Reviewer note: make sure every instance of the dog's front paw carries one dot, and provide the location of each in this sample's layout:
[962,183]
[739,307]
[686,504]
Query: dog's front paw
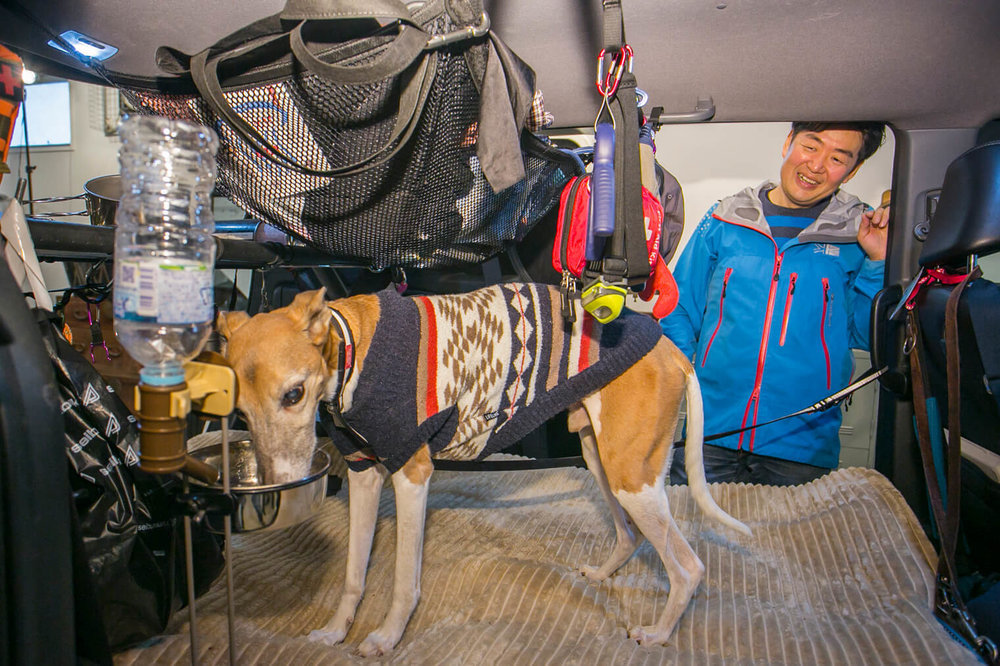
[334,631]
[593,573]
[327,637]
[647,635]
[376,645]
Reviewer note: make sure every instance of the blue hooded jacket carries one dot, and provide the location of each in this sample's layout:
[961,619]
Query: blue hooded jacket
[770,327]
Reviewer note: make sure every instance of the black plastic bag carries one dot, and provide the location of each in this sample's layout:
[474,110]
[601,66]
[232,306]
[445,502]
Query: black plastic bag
[132,539]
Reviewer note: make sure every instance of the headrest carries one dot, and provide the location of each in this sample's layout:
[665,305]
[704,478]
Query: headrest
[967,219]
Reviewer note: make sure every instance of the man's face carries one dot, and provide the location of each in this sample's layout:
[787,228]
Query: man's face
[815,165]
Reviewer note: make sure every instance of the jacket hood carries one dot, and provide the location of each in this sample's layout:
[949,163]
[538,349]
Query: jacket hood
[838,223]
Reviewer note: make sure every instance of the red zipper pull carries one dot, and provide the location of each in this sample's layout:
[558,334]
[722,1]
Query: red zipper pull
[822,329]
[788,307]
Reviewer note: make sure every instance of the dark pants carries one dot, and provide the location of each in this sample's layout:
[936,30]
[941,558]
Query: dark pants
[724,465]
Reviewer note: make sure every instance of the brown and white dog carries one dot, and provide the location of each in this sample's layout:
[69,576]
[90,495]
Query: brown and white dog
[457,377]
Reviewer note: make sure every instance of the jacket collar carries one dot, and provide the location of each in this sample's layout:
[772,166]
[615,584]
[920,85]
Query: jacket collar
[838,223]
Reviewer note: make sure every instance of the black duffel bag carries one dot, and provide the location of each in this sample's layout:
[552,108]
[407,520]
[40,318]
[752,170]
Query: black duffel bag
[132,536]
[383,137]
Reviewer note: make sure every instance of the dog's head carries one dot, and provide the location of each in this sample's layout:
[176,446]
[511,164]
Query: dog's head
[280,359]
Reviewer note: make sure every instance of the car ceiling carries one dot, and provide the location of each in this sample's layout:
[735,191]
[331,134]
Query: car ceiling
[914,63]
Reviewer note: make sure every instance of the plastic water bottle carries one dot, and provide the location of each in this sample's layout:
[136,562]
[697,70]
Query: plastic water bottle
[164,251]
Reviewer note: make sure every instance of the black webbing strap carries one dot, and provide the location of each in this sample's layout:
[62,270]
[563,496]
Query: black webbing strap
[614,25]
[625,257]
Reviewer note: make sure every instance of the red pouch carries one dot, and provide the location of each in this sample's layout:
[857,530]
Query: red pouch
[569,249]
[660,282]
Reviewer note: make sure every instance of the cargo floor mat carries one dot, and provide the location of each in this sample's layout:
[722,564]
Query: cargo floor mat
[837,572]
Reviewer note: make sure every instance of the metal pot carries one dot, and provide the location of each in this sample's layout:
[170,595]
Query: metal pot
[101,195]
[258,507]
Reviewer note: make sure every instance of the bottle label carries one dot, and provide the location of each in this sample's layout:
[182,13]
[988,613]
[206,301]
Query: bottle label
[163,291]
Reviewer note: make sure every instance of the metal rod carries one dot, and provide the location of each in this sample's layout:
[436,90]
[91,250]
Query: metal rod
[227,523]
[28,167]
[62,241]
[189,570]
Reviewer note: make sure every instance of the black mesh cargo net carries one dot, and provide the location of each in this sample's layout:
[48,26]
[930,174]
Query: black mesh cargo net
[427,206]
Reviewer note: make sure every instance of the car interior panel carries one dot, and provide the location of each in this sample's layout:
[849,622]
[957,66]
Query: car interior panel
[926,69]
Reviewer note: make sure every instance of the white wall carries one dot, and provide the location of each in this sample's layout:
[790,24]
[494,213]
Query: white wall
[712,161]
[63,170]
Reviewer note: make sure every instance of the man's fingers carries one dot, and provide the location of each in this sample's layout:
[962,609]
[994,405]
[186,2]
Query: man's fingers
[880,217]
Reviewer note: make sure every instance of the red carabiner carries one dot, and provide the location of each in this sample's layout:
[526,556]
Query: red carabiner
[608,85]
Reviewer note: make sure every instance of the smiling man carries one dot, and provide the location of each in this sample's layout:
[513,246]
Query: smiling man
[776,286]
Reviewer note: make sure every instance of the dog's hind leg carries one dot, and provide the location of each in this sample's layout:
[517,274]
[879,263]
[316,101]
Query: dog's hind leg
[634,446]
[364,489]
[684,569]
[410,483]
[626,540]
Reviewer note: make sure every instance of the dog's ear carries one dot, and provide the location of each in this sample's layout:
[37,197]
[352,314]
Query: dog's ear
[226,323]
[309,310]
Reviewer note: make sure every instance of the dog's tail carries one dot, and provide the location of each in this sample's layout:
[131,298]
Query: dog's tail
[694,462]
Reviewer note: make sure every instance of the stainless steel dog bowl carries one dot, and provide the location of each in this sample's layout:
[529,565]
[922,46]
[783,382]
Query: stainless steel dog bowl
[261,507]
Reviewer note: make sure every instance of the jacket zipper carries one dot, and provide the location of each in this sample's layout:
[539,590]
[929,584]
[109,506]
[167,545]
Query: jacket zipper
[722,301]
[822,329]
[762,354]
[566,223]
[788,306]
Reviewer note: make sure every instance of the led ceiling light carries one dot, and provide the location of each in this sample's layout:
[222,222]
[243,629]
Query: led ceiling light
[84,45]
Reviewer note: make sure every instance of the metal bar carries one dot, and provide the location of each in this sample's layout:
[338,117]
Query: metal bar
[189,570]
[67,241]
[227,522]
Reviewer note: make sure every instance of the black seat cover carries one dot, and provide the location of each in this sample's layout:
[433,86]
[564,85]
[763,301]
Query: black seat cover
[967,222]
[967,219]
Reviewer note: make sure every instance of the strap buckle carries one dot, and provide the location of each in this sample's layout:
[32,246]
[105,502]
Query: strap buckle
[950,611]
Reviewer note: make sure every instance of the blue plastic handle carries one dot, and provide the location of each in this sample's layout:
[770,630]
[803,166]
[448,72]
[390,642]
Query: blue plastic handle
[602,182]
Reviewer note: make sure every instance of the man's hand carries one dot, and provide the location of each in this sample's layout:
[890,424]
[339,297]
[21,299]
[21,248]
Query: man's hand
[873,234]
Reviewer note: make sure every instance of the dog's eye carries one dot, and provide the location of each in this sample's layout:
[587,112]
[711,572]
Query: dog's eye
[293,396]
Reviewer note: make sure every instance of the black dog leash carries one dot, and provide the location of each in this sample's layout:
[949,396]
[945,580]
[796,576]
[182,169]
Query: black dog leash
[518,464]
[868,377]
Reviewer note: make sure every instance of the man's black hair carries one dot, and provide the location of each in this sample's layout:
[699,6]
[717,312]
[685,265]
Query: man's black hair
[872,133]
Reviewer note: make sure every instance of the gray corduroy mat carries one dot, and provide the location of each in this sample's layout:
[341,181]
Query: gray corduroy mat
[837,572]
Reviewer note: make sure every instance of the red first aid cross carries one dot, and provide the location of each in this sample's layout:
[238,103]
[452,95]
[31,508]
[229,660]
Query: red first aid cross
[11,84]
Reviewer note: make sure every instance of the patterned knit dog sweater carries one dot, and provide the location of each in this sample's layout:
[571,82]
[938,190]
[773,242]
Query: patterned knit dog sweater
[471,374]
